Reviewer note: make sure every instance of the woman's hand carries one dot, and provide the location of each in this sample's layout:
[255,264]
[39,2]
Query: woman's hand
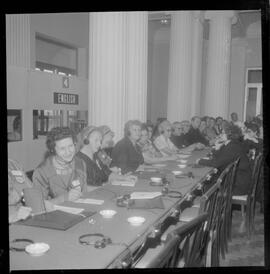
[49,206]
[116,170]
[131,178]
[200,146]
[74,194]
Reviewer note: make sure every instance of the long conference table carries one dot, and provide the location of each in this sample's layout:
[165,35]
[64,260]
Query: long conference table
[65,250]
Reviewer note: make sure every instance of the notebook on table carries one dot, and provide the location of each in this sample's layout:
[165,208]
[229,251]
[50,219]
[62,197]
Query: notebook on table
[56,219]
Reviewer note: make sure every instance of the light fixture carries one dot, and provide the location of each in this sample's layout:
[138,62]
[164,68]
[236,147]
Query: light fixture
[164,21]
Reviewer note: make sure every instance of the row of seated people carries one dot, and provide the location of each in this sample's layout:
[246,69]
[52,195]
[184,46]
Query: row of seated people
[74,164]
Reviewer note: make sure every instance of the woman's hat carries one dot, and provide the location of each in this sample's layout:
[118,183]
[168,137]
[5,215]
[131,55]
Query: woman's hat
[105,130]
[86,131]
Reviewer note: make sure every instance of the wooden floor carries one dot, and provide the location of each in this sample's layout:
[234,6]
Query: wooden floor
[244,252]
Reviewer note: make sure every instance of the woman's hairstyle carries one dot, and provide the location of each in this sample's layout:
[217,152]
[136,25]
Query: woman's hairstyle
[57,134]
[144,127]
[105,130]
[129,124]
[219,117]
[204,118]
[162,125]
[233,132]
[252,126]
[86,132]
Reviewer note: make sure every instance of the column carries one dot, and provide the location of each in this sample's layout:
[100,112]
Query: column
[137,43]
[216,101]
[196,75]
[18,40]
[180,67]
[107,68]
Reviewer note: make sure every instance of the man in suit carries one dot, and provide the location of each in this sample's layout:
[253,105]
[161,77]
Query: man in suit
[194,135]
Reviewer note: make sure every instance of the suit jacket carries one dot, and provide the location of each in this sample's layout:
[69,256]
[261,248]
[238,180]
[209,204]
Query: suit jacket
[226,155]
[179,141]
[195,136]
[126,156]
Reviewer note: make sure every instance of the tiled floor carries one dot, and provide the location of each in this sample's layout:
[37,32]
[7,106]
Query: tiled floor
[244,252]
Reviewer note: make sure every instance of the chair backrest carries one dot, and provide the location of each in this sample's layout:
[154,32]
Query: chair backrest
[208,202]
[185,246]
[257,180]
[226,181]
[222,213]
[256,174]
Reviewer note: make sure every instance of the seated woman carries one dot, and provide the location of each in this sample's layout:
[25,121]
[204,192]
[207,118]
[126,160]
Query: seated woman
[165,145]
[202,127]
[251,138]
[127,154]
[107,142]
[150,154]
[210,131]
[17,182]
[61,176]
[232,148]
[97,171]
[218,125]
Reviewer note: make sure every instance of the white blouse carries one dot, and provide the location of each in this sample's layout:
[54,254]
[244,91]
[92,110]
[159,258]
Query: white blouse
[161,143]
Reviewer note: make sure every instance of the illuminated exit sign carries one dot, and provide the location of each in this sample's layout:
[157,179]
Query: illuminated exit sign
[65,98]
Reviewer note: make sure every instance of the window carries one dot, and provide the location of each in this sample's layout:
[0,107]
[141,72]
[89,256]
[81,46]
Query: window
[76,120]
[14,125]
[55,57]
[253,93]
[45,120]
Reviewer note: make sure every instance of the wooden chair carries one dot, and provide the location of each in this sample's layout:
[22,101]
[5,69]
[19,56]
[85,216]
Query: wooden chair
[208,203]
[224,204]
[249,201]
[185,246]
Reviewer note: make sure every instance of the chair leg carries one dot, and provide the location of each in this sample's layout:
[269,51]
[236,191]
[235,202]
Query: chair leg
[242,225]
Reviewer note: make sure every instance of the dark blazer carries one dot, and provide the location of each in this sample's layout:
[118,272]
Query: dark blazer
[195,136]
[226,155]
[179,141]
[97,173]
[126,156]
[252,145]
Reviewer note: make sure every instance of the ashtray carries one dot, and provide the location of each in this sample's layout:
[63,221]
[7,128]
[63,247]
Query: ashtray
[108,213]
[136,220]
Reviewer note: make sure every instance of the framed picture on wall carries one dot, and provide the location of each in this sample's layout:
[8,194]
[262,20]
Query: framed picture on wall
[14,125]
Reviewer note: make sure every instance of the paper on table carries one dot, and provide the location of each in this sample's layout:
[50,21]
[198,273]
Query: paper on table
[89,201]
[144,195]
[123,183]
[73,210]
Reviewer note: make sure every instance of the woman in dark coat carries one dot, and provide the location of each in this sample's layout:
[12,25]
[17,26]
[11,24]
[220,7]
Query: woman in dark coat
[229,152]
